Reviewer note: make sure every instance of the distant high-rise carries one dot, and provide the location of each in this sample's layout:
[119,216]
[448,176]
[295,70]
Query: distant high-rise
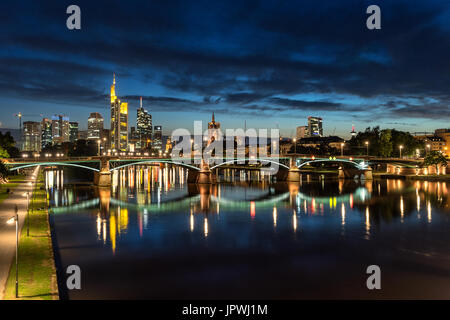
[144,127]
[46,132]
[73,131]
[60,129]
[302,132]
[315,127]
[353,133]
[157,138]
[213,130]
[119,121]
[95,126]
[31,136]
[82,134]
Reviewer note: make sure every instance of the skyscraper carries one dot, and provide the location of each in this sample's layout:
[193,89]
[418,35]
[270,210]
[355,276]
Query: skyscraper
[144,127]
[95,126]
[119,121]
[31,136]
[73,131]
[315,127]
[46,132]
[302,132]
[60,129]
[157,138]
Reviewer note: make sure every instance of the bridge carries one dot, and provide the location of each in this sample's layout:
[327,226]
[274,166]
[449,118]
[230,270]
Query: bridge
[287,168]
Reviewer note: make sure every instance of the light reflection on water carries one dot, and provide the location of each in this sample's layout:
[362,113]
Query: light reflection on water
[151,210]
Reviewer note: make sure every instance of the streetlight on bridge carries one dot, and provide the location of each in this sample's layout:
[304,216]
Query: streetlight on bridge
[295,145]
[342,149]
[98,143]
[400,147]
[367,146]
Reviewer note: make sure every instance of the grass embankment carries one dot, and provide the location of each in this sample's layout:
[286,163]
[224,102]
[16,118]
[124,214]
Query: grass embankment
[11,185]
[37,274]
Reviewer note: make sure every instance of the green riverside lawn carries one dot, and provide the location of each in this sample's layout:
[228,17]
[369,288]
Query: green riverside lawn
[11,185]
[37,274]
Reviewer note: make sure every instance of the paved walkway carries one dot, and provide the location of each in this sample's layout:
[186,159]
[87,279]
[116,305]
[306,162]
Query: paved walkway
[8,231]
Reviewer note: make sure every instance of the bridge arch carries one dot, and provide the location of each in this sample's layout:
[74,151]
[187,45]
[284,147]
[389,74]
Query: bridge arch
[30,165]
[260,160]
[155,161]
[357,165]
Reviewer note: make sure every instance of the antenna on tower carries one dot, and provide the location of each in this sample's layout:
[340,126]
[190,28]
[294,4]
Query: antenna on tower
[353,133]
[141,102]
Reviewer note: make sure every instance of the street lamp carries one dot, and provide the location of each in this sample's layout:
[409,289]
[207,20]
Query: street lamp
[400,147]
[28,214]
[295,146]
[428,147]
[11,221]
[98,142]
[342,149]
[367,146]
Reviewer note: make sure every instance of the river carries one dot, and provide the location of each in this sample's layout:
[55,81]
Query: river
[153,236]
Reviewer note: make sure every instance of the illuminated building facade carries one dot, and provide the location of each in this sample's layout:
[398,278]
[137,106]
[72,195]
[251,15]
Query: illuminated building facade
[60,129]
[73,131]
[445,135]
[95,126]
[119,121]
[31,136]
[315,127]
[144,128]
[302,132]
[46,132]
[157,138]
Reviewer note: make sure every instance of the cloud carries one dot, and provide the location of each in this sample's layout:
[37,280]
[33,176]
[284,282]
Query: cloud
[238,58]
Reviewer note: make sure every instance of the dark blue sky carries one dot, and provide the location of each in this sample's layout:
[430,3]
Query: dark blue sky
[270,62]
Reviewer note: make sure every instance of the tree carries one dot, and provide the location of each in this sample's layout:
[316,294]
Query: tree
[386,143]
[435,158]
[3,153]
[7,143]
[3,172]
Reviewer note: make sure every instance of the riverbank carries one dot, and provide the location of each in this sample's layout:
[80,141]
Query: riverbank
[37,273]
[11,185]
[437,178]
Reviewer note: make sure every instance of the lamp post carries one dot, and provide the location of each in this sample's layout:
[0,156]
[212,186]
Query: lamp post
[98,142]
[428,148]
[11,221]
[28,213]
[367,146]
[342,149]
[104,144]
[295,145]
[400,147]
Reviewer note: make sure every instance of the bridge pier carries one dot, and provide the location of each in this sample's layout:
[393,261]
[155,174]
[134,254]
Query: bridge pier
[103,178]
[350,173]
[204,176]
[293,174]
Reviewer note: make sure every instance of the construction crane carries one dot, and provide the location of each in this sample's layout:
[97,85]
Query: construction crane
[20,116]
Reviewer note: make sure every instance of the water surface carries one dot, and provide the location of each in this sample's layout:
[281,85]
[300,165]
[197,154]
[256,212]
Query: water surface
[151,235]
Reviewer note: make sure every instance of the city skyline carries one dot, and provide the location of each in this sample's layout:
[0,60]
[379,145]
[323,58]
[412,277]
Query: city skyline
[192,62]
